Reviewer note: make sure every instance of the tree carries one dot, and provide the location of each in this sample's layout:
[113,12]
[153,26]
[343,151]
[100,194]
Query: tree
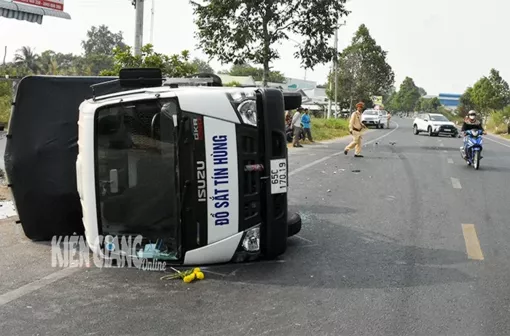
[430,105]
[407,96]
[256,73]
[98,49]
[490,93]
[172,66]
[202,66]
[422,91]
[363,70]
[101,41]
[28,59]
[240,31]
[466,102]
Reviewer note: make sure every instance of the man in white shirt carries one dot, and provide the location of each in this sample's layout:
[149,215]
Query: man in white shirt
[296,125]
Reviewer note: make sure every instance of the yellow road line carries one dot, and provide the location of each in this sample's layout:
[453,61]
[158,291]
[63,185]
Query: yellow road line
[474,251]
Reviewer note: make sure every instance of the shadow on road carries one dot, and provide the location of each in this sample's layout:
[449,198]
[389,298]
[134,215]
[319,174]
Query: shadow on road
[346,258]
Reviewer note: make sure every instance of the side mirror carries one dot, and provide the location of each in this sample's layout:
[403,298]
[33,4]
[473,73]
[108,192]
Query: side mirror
[425,120]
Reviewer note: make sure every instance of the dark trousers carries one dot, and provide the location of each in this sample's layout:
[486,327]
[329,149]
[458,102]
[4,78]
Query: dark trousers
[308,133]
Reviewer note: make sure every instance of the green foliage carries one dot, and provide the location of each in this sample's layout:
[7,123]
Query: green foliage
[101,41]
[172,66]
[240,31]
[202,66]
[363,70]
[430,105]
[233,84]
[323,129]
[407,98]
[256,73]
[490,93]
[466,102]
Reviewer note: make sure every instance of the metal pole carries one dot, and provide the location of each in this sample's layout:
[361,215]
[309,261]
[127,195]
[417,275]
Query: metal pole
[152,21]
[139,27]
[336,70]
[5,54]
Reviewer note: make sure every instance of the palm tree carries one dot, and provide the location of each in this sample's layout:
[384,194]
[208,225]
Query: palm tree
[27,58]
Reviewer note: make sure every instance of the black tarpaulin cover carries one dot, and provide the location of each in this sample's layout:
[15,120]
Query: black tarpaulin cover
[41,151]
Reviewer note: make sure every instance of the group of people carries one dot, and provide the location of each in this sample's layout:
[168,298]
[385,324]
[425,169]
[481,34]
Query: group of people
[299,122]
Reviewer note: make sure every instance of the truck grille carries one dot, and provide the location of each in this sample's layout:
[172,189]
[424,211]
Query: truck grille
[249,181]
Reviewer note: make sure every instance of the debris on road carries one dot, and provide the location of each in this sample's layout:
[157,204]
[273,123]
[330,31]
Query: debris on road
[187,276]
[356,171]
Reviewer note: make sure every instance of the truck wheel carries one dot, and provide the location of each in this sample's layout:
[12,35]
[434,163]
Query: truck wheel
[294,224]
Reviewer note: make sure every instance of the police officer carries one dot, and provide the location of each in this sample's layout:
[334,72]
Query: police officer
[355,127]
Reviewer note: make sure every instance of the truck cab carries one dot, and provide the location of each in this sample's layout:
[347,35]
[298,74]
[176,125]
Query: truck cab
[200,173]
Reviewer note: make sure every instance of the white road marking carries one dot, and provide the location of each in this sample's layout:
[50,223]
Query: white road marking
[502,144]
[313,163]
[445,151]
[38,284]
[456,183]
[306,240]
[450,160]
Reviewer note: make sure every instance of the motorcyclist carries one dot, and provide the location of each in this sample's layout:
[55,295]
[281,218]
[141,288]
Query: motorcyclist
[470,123]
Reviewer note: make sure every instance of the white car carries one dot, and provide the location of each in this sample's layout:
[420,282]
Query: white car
[377,118]
[434,124]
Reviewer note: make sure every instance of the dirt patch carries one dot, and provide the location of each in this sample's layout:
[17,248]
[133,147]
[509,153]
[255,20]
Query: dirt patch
[5,193]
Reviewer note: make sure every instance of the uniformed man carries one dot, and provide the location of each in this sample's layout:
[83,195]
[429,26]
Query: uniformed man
[388,119]
[355,127]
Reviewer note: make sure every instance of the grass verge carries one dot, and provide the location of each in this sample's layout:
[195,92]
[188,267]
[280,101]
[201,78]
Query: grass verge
[326,129]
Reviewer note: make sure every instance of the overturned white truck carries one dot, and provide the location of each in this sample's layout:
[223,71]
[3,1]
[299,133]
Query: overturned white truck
[199,172]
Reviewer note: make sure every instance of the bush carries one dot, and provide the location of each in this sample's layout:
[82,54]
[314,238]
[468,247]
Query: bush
[497,123]
[5,109]
[324,129]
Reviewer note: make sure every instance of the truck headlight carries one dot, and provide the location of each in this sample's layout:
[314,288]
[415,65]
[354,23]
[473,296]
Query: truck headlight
[251,239]
[248,111]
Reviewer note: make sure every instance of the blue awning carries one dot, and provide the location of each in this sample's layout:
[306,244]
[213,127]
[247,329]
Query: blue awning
[18,11]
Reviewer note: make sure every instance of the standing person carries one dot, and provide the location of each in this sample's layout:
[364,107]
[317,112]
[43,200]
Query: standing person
[296,125]
[388,120]
[355,127]
[305,120]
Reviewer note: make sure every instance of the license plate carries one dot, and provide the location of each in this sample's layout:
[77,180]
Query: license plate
[447,130]
[278,176]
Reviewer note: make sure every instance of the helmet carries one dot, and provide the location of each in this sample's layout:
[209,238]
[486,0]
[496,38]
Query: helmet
[360,104]
[472,113]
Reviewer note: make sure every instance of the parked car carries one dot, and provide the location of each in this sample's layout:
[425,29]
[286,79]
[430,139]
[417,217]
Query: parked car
[434,124]
[375,118]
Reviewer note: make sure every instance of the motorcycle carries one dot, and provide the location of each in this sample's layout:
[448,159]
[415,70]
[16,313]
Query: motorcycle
[471,152]
[289,133]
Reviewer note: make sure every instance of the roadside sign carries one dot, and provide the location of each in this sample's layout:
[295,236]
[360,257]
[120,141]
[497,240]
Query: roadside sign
[51,4]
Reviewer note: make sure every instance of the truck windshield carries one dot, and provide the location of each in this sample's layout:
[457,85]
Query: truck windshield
[137,176]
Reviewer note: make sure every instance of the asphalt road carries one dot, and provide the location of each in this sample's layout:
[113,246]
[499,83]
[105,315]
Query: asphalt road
[406,241]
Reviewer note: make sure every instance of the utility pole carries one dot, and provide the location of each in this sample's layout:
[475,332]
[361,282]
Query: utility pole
[152,22]
[138,26]
[336,71]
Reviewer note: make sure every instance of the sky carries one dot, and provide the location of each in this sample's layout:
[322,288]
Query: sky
[444,45]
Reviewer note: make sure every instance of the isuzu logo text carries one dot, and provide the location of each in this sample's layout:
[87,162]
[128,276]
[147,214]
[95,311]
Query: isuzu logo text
[201,184]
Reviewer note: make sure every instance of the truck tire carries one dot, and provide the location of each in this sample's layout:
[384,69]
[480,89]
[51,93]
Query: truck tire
[294,224]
